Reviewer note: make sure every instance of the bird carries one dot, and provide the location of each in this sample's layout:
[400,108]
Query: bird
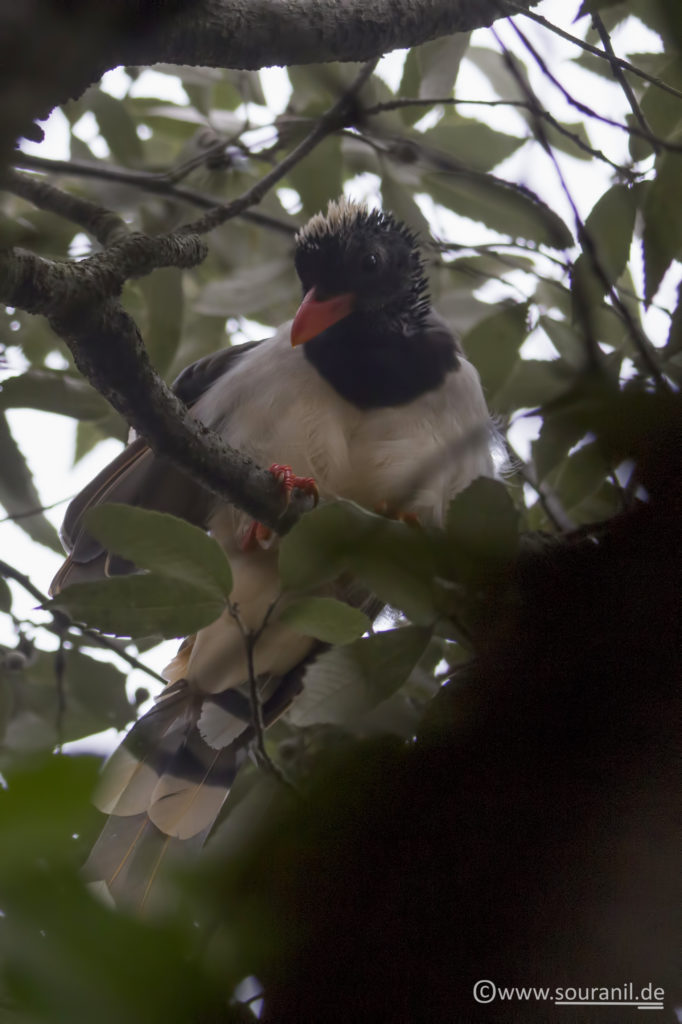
[351,399]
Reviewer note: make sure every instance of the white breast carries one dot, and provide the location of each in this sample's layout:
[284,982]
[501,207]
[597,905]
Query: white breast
[275,407]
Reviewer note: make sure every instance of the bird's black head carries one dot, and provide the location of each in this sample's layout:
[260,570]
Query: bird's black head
[365,321]
[365,257]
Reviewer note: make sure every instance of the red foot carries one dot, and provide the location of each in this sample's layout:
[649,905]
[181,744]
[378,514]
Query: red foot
[289,481]
[257,535]
[260,535]
[390,512]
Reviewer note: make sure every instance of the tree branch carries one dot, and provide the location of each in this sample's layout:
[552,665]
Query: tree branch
[54,53]
[583,108]
[626,65]
[551,505]
[158,184]
[455,101]
[60,289]
[102,224]
[641,344]
[619,75]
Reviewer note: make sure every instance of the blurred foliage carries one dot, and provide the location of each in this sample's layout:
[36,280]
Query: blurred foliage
[423,853]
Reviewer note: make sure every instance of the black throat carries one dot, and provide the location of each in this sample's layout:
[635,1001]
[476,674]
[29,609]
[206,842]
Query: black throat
[376,365]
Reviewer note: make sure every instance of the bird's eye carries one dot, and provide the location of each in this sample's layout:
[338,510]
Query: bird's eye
[370,262]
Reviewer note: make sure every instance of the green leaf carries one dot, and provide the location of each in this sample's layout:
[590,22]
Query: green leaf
[141,606]
[673,345]
[567,340]
[163,544]
[56,940]
[18,494]
[493,346]
[578,476]
[482,524]
[400,200]
[117,127]
[344,683]
[318,178]
[558,140]
[315,550]
[559,432]
[5,596]
[100,688]
[90,697]
[494,66]
[249,290]
[475,145]
[512,210]
[660,109]
[326,619]
[52,391]
[163,295]
[662,213]
[609,228]
[532,382]
[396,562]
[438,63]
[595,6]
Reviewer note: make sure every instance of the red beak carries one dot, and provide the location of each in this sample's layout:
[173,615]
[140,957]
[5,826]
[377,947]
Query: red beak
[315,316]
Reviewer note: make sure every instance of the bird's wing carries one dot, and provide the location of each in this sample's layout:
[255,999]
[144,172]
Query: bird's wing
[139,477]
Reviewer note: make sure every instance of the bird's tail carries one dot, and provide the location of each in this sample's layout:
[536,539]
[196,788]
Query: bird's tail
[163,788]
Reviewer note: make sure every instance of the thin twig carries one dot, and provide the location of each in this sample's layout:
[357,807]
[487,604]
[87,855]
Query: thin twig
[59,674]
[102,224]
[550,503]
[493,247]
[626,65]
[631,129]
[62,621]
[33,511]
[640,342]
[251,637]
[327,124]
[619,75]
[158,184]
[454,101]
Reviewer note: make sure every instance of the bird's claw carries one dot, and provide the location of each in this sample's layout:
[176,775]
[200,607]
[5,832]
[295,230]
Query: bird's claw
[259,535]
[290,482]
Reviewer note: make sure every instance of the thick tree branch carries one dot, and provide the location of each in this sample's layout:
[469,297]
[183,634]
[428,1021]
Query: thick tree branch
[51,52]
[61,290]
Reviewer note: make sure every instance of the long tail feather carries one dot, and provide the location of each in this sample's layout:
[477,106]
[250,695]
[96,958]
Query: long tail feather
[165,785]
